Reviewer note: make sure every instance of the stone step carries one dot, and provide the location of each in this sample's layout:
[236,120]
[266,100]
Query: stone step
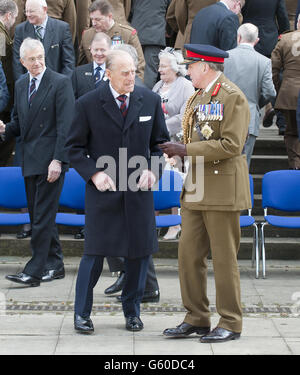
[269,146]
[261,164]
[276,248]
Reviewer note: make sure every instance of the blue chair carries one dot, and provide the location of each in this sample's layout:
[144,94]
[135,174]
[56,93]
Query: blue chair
[248,221]
[12,196]
[72,196]
[280,191]
[167,196]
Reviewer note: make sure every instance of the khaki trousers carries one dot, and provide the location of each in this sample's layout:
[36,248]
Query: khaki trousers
[218,231]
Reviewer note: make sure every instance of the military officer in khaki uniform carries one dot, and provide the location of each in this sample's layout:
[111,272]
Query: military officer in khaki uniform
[8,15]
[286,57]
[215,126]
[101,14]
[121,13]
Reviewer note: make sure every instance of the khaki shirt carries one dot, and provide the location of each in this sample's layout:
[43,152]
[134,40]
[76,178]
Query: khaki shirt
[225,175]
[128,35]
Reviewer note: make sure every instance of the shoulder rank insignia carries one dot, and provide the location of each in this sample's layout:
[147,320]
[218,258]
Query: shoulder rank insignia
[216,90]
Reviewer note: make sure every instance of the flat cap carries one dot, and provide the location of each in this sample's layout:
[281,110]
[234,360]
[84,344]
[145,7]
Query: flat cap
[204,52]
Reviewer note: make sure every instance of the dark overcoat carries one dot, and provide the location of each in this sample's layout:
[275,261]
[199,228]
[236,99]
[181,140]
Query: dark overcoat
[120,223]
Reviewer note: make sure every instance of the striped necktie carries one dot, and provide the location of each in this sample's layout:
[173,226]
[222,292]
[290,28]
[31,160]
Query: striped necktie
[38,32]
[32,90]
[97,75]
[123,106]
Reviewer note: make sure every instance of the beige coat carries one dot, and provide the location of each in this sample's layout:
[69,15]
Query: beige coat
[286,56]
[226,179]
[128,35]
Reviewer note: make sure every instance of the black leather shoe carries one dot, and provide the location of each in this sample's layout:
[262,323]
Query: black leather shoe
[23,278]
[23,234]
[50,275]
[79,235]
[151,296]
[268,118]
[134,323]
[147,297]
[219,334]
[117,285]
[185,329]
[83,325]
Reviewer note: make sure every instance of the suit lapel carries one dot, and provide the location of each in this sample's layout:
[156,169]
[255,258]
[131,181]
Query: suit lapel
[135,105]
[49,32]
[30,30]
[42,92]
[110,106]
[89,76]
[23,91]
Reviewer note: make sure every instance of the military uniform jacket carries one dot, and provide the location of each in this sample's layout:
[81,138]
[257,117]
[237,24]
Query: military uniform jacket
[286,55]
[226,179]
[128,35]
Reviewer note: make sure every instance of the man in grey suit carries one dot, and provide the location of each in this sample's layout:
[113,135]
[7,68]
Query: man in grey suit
[42,115]
[54,34]
[252,73]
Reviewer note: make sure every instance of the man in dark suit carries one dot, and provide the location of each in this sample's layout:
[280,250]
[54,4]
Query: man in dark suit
[87,77]
[217,24]
[54,34]
[271,18]
[43,105]
[117,118]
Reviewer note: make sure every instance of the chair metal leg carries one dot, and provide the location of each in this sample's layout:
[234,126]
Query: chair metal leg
[263,253]
[257,257]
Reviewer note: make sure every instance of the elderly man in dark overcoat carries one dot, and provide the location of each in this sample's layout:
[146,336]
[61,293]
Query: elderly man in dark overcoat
[114,123]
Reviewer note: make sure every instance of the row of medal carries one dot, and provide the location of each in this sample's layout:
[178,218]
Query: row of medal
[210,112]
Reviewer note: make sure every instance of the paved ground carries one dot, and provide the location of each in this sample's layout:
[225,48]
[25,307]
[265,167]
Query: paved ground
[40,320]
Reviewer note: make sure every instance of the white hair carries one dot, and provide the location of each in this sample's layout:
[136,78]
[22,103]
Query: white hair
[127,48]
[29,44]
[248,32]
[175,58]
[42,3]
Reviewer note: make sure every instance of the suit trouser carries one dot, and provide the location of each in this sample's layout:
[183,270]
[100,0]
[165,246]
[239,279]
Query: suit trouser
[249,147]
[90,269]
[151,67]
[291,139]
[218,231]
[43,201]
[117,264]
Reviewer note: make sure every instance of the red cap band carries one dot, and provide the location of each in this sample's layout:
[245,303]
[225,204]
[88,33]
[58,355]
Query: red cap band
[206,58]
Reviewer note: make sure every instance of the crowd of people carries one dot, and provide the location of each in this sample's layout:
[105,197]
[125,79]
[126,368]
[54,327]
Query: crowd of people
[145,52]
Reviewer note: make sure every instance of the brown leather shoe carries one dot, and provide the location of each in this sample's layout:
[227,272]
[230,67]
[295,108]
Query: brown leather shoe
[185,329]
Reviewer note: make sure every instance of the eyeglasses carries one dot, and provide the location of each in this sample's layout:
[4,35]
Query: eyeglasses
[34,59]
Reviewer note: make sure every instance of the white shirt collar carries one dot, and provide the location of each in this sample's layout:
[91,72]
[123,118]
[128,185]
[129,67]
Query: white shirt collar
[115,93]
[38,77]
[210,85]
[44,24]
[225,4]
[102,66]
